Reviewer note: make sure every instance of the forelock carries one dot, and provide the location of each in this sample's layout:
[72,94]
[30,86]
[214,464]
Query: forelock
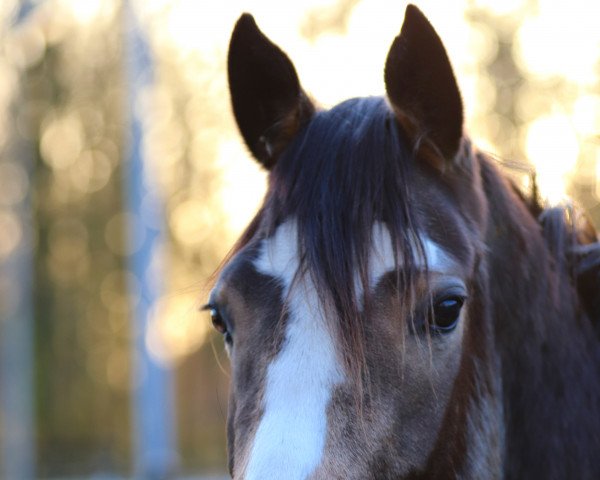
[348,170]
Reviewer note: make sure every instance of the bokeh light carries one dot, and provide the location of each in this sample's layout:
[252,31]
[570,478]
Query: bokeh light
[11,233]
[174,330]
[553,147]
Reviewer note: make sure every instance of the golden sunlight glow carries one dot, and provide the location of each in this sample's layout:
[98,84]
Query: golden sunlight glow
[552,146]
[243,184]
[501,7]
[586,114]
[175,329]
[83,11]
[189,221]
[561,40]
[12,233]
[62,140]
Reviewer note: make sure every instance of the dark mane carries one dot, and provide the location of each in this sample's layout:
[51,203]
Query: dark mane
[574,245]
[346,170]
[548,348]
[571,239]
[573,242]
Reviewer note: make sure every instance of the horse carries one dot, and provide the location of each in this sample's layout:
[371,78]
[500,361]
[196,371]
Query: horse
[398,308]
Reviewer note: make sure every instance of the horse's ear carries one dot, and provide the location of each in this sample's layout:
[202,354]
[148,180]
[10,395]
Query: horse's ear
[268,103]
[421,87]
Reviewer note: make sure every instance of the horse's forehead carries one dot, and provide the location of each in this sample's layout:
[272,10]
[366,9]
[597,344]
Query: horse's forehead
[278,256]
[280,253]
[449,217]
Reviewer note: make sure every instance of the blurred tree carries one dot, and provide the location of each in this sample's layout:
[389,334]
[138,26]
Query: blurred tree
[73,94]
[17,448]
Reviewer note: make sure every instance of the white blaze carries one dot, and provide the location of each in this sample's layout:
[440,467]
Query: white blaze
[382,255]
[290,438]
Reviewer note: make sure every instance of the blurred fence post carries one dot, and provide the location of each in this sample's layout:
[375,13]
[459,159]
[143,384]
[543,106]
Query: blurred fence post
[152,387]
[17,444]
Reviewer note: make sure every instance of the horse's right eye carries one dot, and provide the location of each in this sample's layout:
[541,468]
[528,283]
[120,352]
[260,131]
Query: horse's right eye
[446,313]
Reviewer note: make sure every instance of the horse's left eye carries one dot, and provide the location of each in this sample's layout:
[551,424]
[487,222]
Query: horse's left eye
[217,321]
[220,325]
[446,313]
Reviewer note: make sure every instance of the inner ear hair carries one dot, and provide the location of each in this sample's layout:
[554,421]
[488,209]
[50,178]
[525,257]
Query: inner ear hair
[424,148]
[277,137]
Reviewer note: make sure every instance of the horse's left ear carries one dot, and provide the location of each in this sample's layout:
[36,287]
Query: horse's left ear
[268,103]
[421,86]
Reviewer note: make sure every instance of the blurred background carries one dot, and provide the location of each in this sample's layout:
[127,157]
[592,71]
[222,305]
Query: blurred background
[123,182]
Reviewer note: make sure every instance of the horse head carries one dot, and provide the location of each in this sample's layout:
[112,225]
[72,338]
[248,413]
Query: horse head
[385,309]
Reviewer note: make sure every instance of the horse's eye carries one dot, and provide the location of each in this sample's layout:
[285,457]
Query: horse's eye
[217,321]
[219,324]
[445,314]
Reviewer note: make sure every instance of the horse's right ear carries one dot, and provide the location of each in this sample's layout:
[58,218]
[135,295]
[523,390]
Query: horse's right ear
[268,103]
[422,89]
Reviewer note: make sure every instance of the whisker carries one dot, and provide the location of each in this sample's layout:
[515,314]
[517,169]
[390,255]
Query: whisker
[217,359]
